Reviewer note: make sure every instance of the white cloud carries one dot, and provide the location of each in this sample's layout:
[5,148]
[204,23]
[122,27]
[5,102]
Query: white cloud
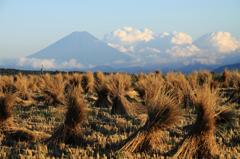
[176,44]
[37,63]
[205,60]
[150,50]
[149,46]
[121,48]
[72,63]
[132,40]
[164,34]
[221,42]
[129,35]
[166,40]
[183,51]
[181,38]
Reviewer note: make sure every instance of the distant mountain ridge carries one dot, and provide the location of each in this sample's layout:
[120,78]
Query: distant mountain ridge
[235,66]
[81,51]
[84,48]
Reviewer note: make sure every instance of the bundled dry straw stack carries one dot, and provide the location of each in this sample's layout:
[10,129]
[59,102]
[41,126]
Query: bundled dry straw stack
[74,80]
[163,113]
[6,106]
[148,82]
[7,126]
[70,131]
[182,89]
[103,94]
[200,142]
[88,82]
[231,83]
[113,91]
[200,78]
[120,86]
[54,89]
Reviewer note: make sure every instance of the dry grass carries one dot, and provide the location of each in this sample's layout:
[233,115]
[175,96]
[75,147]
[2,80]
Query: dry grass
[22,85]
[200,141]
[7,84]
[6,111]
[8,128]
[149,124]
[182,89]
[121,106]
[103,93]
[75,80]
[163,113]
[100,78]
[200,78]
[118,85]
[70,131]
[88,82]
[54,89]
[231,81]
[148,82]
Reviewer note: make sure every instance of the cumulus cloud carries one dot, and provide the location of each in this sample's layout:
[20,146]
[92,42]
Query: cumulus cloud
[72,63]
[166,40]
[183,51]
[205,60]
[129,35]
[175,44]
[221,42]
[150,47]
[122,48]
[145,44]
[150,50]
[181,38]
[37,63]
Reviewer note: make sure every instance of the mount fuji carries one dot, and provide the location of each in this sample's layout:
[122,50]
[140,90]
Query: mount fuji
[83,48]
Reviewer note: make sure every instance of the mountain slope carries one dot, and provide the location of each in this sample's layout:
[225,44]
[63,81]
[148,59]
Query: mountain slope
[235,66]
[82,47]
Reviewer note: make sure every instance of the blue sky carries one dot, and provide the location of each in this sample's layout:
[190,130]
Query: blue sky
[27,26]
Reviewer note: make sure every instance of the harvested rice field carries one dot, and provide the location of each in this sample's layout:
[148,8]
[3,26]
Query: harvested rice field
[98,115]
